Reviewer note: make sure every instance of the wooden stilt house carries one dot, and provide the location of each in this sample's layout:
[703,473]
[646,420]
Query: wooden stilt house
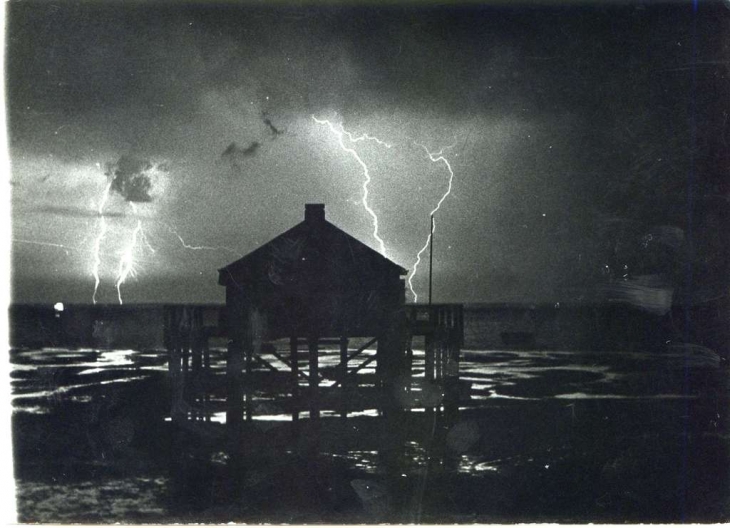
[311,284]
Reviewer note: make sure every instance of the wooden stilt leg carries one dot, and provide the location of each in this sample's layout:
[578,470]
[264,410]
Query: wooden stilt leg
[294,381]
[249,382]
[313,379]
[343,376]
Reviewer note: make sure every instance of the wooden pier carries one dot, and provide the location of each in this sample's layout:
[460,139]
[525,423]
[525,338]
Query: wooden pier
[368,372]
[315,325]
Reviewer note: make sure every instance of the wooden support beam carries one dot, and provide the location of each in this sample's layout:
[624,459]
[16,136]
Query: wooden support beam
[196,334]
[313,379]
[261,361]
[428,362]
[175,369]
[303,374]
[206,378]
[363,365]
[186,355]
[362,349]
[237,314]
[294,365]
[343,376]
[380,367]
[234,403]
[249,382]
[358,351]
[355,370]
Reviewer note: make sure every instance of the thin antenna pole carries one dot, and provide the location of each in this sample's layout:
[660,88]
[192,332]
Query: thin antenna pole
[430,266]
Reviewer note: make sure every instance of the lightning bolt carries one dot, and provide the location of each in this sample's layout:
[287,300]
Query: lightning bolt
[46,244]
[200,248]
[97,242]
[127,264]
[434,157]
[340,132]
[146,242]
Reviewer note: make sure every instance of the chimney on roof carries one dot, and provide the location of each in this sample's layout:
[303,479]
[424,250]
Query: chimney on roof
[313,212]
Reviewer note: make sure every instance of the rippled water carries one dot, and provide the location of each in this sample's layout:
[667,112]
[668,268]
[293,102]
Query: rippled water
[550,395]
[41,375]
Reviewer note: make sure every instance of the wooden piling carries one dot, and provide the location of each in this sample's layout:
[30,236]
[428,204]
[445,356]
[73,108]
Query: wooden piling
[175,366]
[206,377]
[313,379]
[294,359]
[429,359]
[249,382]
[187,339]
[438,357]
[237,318]
[343,377]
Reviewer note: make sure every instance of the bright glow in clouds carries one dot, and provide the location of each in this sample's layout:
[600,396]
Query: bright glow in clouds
[129,264]
[108,241]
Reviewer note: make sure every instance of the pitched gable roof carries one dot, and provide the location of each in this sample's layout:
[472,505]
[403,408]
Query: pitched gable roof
[316,239]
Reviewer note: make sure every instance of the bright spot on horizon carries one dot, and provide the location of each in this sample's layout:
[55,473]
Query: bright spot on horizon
[58,306]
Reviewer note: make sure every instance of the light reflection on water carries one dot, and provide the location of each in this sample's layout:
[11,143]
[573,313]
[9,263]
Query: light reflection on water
[497,379]
[41,377]
[68,388]
[491,373]
[584,396]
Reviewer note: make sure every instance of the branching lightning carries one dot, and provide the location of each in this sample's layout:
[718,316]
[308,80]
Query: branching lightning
[200,248]
[46,244]
[127,264]
[99,238]
[115,242]
[143,239]
[137,239]
[434,157]
[340,132]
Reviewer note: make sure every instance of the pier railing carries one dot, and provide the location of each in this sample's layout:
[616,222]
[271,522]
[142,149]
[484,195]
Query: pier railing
[290,373]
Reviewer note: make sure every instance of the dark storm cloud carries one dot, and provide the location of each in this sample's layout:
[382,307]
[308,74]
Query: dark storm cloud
[130,178]
[275,132]
[235,155]
[609,75]
[78,58]
[438,59]
[234,150]
[633,98]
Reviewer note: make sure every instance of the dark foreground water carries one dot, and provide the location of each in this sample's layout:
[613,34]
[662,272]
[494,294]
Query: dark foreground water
[546,436]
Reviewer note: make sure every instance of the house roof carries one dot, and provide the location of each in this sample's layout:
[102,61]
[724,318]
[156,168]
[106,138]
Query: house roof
[317,238]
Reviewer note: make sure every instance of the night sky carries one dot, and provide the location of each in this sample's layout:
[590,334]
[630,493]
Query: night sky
[589,143]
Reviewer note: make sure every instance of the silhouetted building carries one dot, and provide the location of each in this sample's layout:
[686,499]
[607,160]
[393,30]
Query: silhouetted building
[312,282]
[313,288]
[315,279]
